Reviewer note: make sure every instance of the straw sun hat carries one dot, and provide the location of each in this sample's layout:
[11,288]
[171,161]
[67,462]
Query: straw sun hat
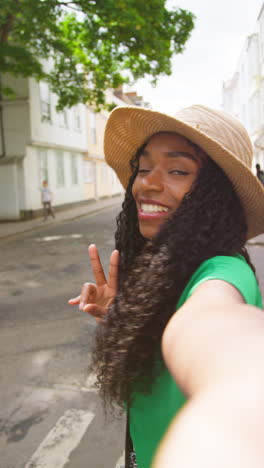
[221,136]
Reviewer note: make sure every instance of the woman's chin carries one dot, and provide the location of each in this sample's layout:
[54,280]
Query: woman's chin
[149,231]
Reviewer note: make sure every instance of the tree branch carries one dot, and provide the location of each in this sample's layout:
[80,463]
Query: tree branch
[6,28]
[70,5]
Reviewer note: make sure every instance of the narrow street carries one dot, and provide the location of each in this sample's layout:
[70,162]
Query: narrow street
[50,414]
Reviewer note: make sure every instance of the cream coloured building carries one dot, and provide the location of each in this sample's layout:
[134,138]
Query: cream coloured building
[243,95]
[99,179]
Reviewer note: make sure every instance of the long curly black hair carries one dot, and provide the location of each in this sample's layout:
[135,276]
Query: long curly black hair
[153,273]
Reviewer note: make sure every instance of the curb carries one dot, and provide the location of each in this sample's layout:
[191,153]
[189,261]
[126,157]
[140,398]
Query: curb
[40,224]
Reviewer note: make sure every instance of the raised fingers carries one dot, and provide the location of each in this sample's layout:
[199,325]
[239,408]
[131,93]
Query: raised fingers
[97,268]
[113,270]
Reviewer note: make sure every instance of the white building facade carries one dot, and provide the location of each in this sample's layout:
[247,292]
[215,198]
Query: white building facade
[243,95]
[38,143]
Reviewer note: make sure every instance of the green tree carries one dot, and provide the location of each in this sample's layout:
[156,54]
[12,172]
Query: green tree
[92,44]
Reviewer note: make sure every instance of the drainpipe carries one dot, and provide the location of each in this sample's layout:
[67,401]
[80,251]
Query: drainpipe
[2,133]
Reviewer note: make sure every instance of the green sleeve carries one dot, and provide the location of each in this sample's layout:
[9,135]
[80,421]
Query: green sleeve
[233,270]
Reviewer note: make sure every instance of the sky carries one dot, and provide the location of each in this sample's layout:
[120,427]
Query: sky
[210,57]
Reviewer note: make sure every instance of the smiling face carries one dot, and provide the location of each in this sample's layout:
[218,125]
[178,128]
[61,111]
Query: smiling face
[168,167]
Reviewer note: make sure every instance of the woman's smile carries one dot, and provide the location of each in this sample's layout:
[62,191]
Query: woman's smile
[168,167]
[152,208]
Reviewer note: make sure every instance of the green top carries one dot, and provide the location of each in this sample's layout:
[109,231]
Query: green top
[150,415]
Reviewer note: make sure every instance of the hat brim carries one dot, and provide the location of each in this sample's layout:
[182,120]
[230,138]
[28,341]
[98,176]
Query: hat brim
[129,127]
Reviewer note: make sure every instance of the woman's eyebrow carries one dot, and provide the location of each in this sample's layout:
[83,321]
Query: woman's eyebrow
[182,154]
[175,154]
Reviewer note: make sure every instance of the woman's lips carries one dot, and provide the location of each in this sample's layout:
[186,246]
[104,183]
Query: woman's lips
[151,216]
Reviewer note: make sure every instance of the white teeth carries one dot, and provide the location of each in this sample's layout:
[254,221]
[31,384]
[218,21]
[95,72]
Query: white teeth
[147,208]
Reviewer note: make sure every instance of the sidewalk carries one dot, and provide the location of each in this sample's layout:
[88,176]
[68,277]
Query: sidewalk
[13,228]
[259,240]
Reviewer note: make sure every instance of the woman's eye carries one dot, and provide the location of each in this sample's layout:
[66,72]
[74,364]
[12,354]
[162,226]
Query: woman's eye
[143,171]
[172,171]
[178,172]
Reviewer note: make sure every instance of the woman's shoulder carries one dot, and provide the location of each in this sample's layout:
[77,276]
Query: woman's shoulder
[232,269]
[224,266]
[230,263]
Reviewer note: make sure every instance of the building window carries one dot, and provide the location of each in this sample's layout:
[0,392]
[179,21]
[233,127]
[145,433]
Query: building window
[77,118]
[74,169]
[93,127]
[262,101]
[44,101]
[63,118]
[89,172]
[60,169]
[261,35]
[42,166]
[104,171]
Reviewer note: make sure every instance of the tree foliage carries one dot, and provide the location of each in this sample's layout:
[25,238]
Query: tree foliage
[90,45]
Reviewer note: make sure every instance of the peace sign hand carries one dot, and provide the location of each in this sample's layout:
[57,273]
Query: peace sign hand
[96,298]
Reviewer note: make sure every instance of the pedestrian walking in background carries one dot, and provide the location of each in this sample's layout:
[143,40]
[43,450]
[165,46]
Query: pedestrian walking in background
[46,198]
[180,336]
[260,174]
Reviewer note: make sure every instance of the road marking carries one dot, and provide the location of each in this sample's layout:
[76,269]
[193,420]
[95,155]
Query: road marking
[89,385]
[55,449]
[54,238]
[121,461]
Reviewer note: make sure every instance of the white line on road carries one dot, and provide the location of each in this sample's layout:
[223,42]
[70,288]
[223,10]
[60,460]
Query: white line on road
[55,449]
[121,461]
[54,238]
[89,385]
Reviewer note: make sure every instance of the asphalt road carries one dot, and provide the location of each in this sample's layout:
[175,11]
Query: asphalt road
[50,413]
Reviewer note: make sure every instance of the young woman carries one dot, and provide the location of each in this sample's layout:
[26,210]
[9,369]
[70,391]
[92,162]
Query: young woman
[191,203]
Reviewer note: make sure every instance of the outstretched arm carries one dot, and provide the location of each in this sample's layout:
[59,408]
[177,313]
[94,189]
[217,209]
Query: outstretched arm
[214,348]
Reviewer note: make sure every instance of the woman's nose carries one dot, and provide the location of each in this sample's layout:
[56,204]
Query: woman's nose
[152,180]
